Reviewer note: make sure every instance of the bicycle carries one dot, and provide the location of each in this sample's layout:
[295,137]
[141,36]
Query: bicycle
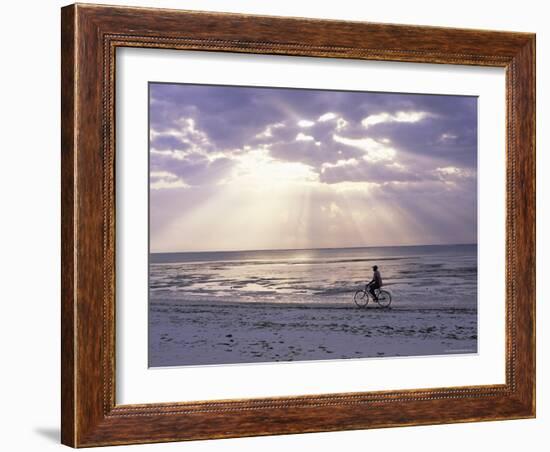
[362,297]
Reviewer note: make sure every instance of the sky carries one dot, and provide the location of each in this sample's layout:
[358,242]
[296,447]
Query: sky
[248,168]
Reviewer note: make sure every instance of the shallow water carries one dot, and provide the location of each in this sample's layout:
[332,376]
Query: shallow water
[417,276]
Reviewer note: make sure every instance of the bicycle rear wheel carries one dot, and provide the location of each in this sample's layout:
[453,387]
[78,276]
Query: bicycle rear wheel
[361,298]
[384,298]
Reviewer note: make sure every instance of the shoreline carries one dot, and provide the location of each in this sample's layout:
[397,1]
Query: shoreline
[304,305]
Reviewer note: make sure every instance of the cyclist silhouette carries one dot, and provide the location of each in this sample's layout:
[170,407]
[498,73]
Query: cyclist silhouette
[376,282]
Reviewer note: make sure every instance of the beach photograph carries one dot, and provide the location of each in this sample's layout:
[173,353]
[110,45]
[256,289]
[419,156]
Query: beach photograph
[294,224]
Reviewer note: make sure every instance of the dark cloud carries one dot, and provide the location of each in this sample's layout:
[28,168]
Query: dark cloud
[233,116]
[168,142]
[230,118]
[194,169]
[309,153]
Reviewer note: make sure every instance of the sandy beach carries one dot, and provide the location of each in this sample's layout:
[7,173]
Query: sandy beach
[205,333]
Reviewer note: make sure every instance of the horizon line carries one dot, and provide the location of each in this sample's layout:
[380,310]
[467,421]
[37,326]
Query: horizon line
[313,249]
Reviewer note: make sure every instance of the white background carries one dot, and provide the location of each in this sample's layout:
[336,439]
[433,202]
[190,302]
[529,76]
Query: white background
[29,187]
[137,384]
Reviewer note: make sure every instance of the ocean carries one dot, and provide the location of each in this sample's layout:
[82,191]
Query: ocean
[426,277]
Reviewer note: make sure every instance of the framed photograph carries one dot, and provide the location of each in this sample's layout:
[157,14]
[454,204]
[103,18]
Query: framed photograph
[282,225]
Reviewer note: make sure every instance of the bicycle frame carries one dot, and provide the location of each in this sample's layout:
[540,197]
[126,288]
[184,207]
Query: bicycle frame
[367,291]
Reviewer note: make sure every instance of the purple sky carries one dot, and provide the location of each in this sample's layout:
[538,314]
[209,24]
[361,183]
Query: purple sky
[265,168]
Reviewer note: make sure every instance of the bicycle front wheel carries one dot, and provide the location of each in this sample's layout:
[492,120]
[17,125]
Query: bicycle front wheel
[361,298]
[384,299]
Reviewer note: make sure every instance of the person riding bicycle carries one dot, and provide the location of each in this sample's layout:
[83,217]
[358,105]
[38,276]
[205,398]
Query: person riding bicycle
[373,291]
[376,282]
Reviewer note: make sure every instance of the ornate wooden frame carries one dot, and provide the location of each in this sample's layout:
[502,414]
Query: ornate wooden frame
[90,35]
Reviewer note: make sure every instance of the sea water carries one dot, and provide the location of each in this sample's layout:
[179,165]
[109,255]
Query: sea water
[431,276]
